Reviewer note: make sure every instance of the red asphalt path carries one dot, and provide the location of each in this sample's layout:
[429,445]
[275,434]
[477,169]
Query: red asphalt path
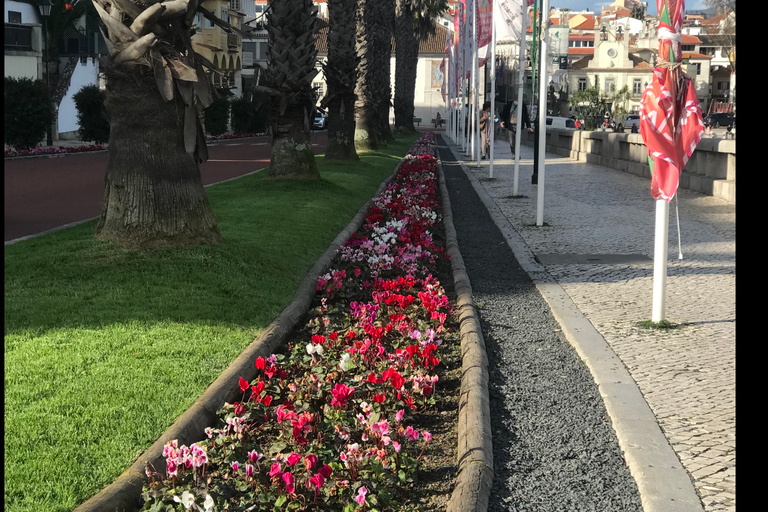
[44,193]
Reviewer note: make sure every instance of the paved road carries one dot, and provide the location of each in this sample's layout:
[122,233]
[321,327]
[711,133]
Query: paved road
[43,193]
[595,218]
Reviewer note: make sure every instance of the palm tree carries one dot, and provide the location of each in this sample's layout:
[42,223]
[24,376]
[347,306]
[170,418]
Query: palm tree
[341,77]
[383,32]
[292,56]
[414,21]
[367,126]
[155,83]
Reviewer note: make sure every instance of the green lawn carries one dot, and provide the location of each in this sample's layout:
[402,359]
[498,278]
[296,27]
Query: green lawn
[105,347]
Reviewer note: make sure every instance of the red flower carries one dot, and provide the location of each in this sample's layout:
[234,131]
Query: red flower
[271,371]
[258,388]
[267,400]
[69,7]
[243,384]
[341,394]
[326,471]
[379,398]
[260,363]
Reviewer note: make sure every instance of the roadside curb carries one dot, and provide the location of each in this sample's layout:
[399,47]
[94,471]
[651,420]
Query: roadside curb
[475,450]
[124,494]
[664,485]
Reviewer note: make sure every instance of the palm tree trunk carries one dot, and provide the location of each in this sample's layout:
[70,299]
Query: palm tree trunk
[153,195]
[407,58]
[341,77]
[292,66]
[383,57]
[367,125]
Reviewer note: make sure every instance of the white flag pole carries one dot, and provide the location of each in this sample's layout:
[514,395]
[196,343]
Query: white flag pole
[492,138]
[475,84]
[520,84]
[660,260]
[542,113]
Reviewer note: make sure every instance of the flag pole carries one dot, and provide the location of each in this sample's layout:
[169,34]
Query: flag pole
[492,138]
[542,112]
[520,105]
[476,85]
[660,260]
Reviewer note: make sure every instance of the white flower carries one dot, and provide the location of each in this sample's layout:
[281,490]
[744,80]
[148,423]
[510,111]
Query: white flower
[187,499]
[209,505]
[344,360]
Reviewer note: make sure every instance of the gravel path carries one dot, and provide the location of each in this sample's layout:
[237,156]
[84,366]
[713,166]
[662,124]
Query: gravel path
[554,447]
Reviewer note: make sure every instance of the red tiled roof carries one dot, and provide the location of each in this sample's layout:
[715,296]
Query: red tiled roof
[581,51]
[689,39]
[581,37]
[692,55]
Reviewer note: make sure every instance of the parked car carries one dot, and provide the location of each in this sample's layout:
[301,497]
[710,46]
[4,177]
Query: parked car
[719,119]
[319,122]
[563,123]
[632,120]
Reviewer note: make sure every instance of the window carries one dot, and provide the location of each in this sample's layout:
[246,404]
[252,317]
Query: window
[582,84]
[208,23]
[14,17]
[610,85]
[263,51]
[698,68]
[234,5]
[637,87]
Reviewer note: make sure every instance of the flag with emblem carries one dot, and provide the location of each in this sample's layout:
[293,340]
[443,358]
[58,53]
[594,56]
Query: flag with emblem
[670,115]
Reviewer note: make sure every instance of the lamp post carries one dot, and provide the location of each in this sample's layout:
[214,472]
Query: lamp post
[44,7]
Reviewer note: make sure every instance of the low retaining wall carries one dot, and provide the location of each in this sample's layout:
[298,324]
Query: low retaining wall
[711,169]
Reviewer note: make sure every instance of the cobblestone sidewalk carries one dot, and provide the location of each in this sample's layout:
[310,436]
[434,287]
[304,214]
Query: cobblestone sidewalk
[592,214]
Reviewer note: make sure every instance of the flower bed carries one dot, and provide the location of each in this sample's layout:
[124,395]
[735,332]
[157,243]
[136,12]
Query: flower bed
[11,152]
[232,136]
[330,422]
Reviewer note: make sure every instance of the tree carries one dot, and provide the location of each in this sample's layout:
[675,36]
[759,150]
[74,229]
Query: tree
[341,77]
[292,56]
[367,125]
[382,57]
[91,115]
[590,106]
[638,13]
[155,85]
[414,21]
[27,112]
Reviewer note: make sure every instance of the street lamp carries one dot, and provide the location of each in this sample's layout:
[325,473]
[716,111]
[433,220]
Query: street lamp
[44,7]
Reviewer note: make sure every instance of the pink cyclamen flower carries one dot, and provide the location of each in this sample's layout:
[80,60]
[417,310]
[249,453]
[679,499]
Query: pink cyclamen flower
[360,498]
[288,479]
[254,456]
[310,460]
[248,470]
[397,446]
[341,394]
[235,466]
[399,415]
[317,480]
[326,471]
[427,436]
[293,459]
[275,470]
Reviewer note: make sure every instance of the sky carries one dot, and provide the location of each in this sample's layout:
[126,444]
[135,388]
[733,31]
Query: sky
[595,5]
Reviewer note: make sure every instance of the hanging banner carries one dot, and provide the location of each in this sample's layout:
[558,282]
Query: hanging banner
[509,20]
[484,21]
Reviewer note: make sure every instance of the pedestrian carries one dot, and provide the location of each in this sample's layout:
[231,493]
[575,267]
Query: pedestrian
[578,124]
[634,128]
[728,131]
[509,121]
[485,130]
[438,121]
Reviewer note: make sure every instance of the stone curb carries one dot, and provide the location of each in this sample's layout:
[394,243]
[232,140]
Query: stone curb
[475,449]
[124,494]
[663,483]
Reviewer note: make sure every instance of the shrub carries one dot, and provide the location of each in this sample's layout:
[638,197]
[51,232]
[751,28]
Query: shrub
[28,112]
[217,117]
[246,117]
[91,114]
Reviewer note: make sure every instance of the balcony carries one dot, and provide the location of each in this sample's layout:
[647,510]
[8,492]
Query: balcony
[18,38]
[233,42]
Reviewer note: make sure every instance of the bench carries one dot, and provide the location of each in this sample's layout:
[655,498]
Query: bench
[437,123]
[417,120]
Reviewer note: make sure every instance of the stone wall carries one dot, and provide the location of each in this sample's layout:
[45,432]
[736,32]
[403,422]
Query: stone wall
[711,169]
